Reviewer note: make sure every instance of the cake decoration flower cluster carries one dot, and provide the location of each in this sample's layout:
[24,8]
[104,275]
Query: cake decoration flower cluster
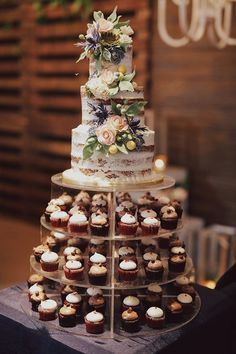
[106,39]
[116,131]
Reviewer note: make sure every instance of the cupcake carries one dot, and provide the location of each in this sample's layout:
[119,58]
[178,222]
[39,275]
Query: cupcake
[130,320]
[179,282]
[122,196]
[128,225]
[148,244]
[60,238]
[155,317]
[186,301]
[154,270]
[146,213]
[174,311]
[78,223]
[177,251]
[36,299]
[189,289]
[97,258]
[67,199]
[35,278]
[145,200]
[58,202]
[127,253]
[78,209]
[169,218]
[97,274]
[97,245]
[160,202]
[150,226]
[92,291]
[132,302]
[128,207]
[59,219]
[39,250]
[72,253]
[36,288]
[51,208]
[73,270]
[49,261]
[127,270]
[75,301]
[66,290]
[52,243]
[96,303]
[82,198]
[67,316]
[47,310]
[178,208]
[149,256]
[94,322]
[99,225]
[154,289]
[177,264]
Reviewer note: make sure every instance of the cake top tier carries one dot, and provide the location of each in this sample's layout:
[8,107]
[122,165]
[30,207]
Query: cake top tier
[107,43]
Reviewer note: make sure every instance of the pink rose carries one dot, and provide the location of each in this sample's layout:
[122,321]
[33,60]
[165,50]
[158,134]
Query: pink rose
[118,123]
[106,135]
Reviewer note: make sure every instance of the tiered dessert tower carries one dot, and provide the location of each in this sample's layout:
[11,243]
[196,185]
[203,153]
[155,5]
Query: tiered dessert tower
[124,231]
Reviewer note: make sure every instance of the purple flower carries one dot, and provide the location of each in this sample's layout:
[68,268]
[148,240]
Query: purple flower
[117,54]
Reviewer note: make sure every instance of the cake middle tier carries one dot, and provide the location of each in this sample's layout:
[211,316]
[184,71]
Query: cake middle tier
[135,163]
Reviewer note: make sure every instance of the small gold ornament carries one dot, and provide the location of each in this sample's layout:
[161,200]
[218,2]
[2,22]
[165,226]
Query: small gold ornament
[113,150]
[131,145]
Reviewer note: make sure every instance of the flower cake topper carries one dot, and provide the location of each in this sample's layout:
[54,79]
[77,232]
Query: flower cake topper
[115,131]
[106,39]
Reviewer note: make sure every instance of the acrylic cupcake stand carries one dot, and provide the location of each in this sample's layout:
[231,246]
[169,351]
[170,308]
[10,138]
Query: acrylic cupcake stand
[113,289]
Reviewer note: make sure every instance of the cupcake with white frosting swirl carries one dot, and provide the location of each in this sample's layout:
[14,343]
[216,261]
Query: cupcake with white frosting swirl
[150,226]
[73,270]
[78,223]
[49,261]
[127,225]
[128,270]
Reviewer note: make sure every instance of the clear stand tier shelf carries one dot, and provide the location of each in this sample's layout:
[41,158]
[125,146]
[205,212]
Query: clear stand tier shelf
[113,288]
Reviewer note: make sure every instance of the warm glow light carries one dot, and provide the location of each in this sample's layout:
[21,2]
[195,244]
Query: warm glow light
[211,284]
[160,163]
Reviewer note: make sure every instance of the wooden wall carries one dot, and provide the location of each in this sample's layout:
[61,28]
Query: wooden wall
[194,93]
[39,94]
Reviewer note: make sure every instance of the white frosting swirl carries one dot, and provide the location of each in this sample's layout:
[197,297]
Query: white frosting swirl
[36,288]
[148,213]
[185,298]
[128,265]
[155,288]
[177,250]
[48,304]
[78,219]
[57,201]
[97,258]
[128,219]
[96,241]
[151,221]
[99,219]
[59,215]
[73,264]
[49,257]
[73,298]
[131,301]
[71,249]
[94,316]
[155,312]
[123,251]
[182,280]
[150,256]
[94,291]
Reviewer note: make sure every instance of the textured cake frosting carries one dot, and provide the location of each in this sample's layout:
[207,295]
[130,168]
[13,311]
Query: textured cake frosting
[112,145]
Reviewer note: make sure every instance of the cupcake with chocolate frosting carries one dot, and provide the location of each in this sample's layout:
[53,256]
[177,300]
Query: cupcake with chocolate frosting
[128,225]
[130,320]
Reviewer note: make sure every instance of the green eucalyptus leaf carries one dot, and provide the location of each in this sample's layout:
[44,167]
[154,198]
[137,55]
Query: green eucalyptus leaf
[113,90]
[135,108]
[122,148]
[106,54]
[97,15]
[126,86]
[113,15]
[115,109]
[130,76]
[88,150]
[82,56]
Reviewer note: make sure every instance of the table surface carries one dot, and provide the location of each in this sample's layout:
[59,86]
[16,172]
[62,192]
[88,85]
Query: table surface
[19,334]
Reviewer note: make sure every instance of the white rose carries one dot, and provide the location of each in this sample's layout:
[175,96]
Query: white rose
[107,76]
[127,30]
[105,25]
[124,38]
[98,88]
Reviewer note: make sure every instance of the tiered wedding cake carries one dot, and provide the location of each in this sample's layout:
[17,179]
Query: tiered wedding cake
[112,145]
